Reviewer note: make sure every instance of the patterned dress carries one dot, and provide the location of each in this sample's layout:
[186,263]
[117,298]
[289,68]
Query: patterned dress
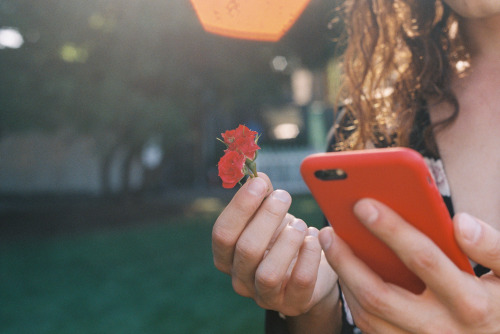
[275,323]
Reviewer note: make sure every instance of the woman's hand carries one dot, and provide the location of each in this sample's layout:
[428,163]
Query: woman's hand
[453,301]
[272,256]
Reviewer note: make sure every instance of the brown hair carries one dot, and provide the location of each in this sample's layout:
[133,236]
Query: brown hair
[400,55]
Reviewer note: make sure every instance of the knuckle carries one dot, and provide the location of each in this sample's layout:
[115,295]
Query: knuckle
[274,212]
[425,259]
[475,311]
[311,247]
[221,238]
[267,279]
[373,300]
[245,207]
[362,322]
[246,250]
[264,304]
[222,266]
[303,280]
[241,288]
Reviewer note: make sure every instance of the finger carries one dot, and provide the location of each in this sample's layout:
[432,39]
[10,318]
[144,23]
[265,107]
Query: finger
[284,223]
[303,280]
[415,249]
[232,221]
[272,271]
[254,240]
[480,241]
[394,305]
[353,272]
[365,321]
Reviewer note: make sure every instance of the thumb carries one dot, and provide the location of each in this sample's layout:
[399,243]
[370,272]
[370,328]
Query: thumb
[478,240]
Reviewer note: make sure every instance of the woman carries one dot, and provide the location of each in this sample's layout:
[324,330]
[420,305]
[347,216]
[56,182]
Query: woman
[418,73]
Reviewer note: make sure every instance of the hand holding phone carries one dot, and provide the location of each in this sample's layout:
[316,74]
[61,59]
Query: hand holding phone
[397,177]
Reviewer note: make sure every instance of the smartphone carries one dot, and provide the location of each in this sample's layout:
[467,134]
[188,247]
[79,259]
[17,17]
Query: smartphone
[397,177]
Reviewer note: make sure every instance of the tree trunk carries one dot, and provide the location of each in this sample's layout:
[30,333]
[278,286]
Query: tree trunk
[107,161]
[132,154]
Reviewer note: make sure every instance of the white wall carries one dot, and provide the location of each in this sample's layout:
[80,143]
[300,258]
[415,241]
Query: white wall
[283,167]
[44,162]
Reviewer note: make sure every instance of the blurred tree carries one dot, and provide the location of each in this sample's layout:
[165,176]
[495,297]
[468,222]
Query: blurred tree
[79,68]
[126,71]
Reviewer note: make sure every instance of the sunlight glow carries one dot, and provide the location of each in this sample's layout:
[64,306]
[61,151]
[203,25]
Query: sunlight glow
[206,205]
[286,131]
[302,86]
[279,63]
[71,53]
[462,66]
[97,21]
[453,31]
[103,23]
[10,38]
[152,155]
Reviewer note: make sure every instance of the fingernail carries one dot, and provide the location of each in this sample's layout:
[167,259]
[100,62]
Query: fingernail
[325,238]
[281,195]
[312,231]
[298,225]
[366,211]
[469,227]
[257,186]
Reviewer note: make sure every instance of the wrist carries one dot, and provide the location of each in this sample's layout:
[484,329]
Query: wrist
[324,317]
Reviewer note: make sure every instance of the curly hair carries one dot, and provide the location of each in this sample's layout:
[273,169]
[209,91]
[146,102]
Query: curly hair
[400,56]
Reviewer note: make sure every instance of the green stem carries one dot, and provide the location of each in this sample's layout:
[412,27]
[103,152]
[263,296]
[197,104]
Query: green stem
[252,167]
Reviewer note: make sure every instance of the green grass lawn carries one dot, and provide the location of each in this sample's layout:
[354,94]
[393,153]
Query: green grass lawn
[156,278]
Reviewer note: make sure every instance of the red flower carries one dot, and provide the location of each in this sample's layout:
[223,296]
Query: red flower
[239,157]
[231,167]
[243,140]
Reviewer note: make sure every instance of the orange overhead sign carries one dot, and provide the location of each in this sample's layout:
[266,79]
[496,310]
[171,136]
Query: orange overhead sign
[265,20]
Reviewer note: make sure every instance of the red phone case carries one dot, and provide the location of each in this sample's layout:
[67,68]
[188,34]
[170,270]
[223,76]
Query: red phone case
[397,177]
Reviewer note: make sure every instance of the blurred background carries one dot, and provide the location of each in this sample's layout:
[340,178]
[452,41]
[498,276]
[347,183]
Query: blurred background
[109,113]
